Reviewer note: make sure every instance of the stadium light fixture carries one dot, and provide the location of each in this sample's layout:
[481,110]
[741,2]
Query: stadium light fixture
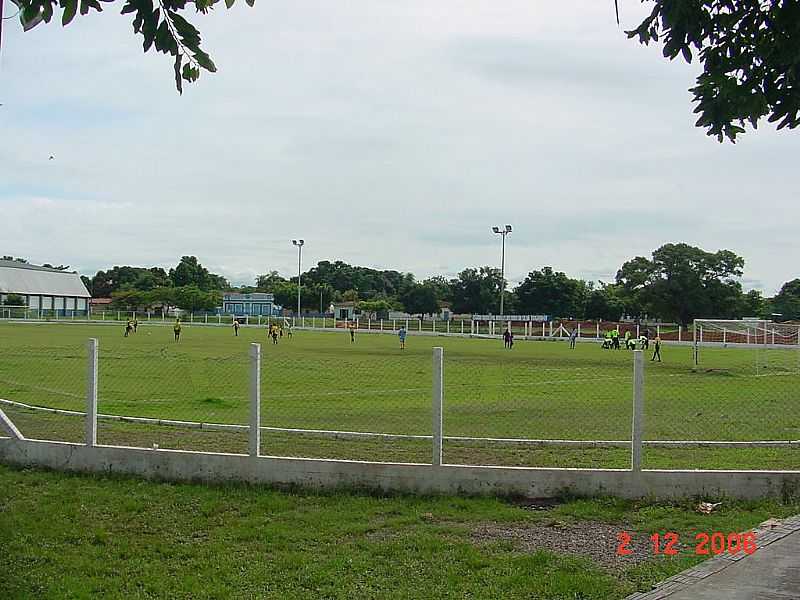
[299,244]
[503,232]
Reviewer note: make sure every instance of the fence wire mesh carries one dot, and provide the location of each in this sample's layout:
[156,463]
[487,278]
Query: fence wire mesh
[738,409]
[173,398]
[541,406]
[358,406]
[520,413]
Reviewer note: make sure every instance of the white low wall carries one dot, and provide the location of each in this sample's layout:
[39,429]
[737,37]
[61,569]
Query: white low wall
[176,465]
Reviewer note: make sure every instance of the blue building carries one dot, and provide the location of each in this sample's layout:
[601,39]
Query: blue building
[250,304]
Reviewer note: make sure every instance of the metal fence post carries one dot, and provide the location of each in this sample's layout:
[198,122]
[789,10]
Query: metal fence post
[255,399]
[91,394]
[637,426]
[438,398]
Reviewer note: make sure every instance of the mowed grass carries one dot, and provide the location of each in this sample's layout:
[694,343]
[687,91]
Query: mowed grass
[319,380]
[73,536]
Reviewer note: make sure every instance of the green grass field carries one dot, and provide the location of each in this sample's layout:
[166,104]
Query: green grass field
[538,390]
[71,536]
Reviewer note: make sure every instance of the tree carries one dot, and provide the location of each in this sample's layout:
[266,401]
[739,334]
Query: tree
[375,309]
[787,301]
[13,259]
[265,282]
[190,272]
[162,296]
[421,298]
[752,304]
[476,290]
[605,303]
[104,283]
[159,23]
[370,283]
[751,67]
[14,300]
[548,292]
[350,296]
[130,300]
[192,298]
[442,287]
[683,282]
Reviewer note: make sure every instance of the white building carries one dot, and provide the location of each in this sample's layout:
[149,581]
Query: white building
[42,289]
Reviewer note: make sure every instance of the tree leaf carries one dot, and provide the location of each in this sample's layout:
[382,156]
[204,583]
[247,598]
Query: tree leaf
[178,82]
[70,9]
[204,60]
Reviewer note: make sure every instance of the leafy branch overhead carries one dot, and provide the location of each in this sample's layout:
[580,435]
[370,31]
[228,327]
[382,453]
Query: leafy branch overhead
[750,51]
[157,21]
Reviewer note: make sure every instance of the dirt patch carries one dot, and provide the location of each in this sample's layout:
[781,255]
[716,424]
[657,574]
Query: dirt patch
[591,539]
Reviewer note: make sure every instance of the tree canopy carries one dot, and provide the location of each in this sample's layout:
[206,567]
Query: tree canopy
[749,52]
[682,282]
[787,302]
[160,24]
[678,282]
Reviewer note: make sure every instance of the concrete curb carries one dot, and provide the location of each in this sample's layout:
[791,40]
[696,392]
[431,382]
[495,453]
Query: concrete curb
[766,533]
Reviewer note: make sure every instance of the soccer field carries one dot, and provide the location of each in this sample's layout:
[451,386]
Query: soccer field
[320,381]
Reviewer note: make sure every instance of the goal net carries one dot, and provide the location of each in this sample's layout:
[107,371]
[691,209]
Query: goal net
[746,344]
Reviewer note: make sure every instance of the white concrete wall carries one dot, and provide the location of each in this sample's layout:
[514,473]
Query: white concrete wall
[176,465]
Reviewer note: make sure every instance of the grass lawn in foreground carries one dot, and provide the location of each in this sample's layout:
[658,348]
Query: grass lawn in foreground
[71,536]
[538,390]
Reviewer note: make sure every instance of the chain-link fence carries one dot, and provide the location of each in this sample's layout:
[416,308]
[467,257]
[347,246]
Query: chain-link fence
[507,409]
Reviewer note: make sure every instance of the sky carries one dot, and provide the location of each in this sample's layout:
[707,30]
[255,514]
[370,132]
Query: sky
[386,134]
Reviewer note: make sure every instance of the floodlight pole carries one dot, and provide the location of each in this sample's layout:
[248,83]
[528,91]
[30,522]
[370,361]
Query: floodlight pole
[503,232]
[299,244]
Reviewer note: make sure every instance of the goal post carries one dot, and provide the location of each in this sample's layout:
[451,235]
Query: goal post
[760,336]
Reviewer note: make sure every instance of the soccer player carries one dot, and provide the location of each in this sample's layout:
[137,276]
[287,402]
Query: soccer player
[275,335]
[128,328]
[510,340]
[607,340]
[280,330]
[135,324]
[402,335]
[615,339]
[236,327]
[628,335]
[176,329]
[656,349]
[507,338]
[352,333]
[573,336]
[289,332]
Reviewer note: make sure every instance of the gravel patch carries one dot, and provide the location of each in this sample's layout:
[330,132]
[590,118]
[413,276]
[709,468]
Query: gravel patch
[589,539]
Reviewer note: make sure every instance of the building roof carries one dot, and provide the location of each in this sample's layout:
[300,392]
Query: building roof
[22,278]
[257,296]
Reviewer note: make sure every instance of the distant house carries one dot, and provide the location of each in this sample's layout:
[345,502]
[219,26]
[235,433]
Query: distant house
[250,304]
[50,291]
[345,310]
